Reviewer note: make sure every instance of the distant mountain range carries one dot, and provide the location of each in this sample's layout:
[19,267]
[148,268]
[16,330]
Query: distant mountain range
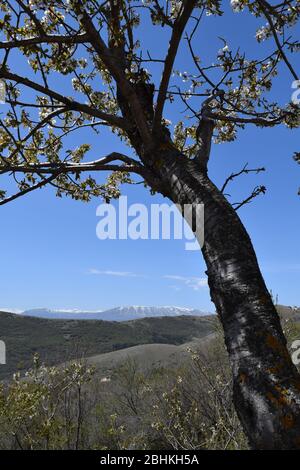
[116,314]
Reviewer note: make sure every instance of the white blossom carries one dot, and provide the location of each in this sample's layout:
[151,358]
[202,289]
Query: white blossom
[237,5]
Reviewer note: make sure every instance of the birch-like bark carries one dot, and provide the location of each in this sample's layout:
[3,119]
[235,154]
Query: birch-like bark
[266,388]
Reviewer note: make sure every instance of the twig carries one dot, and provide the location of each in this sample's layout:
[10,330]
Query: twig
[244,170]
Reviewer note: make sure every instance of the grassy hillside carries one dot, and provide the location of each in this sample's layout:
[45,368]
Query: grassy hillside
[292,313]
[143,396]
[57,341]
[149,357]
[60,340]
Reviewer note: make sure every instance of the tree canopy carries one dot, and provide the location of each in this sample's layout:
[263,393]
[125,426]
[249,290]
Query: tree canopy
[82,66]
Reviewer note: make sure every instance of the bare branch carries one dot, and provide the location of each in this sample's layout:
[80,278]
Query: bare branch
[245,171]
[256,192]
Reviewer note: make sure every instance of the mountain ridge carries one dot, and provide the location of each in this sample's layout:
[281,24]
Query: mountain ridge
[122,313]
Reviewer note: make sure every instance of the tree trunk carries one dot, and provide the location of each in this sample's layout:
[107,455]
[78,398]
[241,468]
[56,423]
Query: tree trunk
[266,384]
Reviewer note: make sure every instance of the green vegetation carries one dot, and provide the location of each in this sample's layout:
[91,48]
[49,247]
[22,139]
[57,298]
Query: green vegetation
[57,341]
[72,407]
[175,404]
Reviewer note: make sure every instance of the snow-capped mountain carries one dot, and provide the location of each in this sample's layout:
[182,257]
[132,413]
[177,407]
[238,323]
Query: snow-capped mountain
[116,314]
[63,314]
[134,311]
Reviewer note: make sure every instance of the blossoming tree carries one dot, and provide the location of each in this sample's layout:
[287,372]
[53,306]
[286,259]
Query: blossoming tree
[93,51]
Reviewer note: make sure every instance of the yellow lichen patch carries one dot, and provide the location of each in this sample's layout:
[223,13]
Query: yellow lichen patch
[287,421]
[275,370]
[276,345]
[281,399]
[271,398]
[284,395]
[242,377]
[273,342]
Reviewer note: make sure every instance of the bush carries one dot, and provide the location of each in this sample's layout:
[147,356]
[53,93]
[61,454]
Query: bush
[72,407]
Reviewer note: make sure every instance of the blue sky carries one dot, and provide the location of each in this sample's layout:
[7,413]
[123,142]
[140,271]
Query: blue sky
[51,257]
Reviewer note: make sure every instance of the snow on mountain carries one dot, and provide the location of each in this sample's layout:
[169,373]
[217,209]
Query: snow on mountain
[115,314]
[63,314]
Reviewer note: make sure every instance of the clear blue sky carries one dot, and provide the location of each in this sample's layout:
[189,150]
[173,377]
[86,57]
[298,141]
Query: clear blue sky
[49,245]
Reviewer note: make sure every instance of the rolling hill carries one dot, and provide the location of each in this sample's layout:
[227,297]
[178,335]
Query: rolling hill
[148,356]
[106,343]
[57,341]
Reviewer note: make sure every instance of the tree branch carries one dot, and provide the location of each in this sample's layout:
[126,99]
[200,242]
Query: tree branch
[71,104]
[178,29]
[256,192]
[205,129]
[38,185]
[77,39]
[244,170]
[102,164]
[112,64]
[32,16]
[277,41]
[239,120]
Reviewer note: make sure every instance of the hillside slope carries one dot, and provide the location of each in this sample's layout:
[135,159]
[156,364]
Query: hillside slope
[60,340]
[107,343]
[148,356]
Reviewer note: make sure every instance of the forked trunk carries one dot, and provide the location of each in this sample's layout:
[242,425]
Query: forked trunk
[266,384]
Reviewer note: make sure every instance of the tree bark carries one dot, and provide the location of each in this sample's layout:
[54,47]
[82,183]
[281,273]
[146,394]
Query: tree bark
[266,384]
